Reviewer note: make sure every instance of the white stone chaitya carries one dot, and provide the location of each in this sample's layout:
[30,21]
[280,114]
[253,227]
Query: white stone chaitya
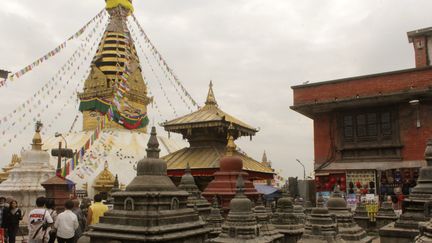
[24,181]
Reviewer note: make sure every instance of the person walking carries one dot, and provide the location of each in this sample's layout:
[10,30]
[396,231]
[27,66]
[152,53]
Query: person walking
[3,205]
[11,217]
[81,220]
[39,221]
[50,206]
[66,224]
[96,210]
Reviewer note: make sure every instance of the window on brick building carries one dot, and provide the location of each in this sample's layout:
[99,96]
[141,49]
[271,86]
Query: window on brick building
[369,134]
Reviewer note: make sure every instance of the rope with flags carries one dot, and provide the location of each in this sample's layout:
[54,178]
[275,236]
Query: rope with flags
[55,51]
[158,56]
[137,42]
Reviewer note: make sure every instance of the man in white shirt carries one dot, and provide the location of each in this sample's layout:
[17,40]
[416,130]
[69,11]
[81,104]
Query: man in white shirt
[66,224]
[39,220]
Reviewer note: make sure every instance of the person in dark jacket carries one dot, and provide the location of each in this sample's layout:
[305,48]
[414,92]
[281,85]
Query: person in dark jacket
[11,218]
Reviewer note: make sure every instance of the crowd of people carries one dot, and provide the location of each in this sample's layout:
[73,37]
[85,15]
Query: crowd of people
[46,224]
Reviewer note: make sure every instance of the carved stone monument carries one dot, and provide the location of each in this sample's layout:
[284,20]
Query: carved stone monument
[151,209]
[195,198]
[285,221]
[321,227]
[348,229]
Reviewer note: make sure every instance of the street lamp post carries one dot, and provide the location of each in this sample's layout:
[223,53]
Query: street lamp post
[304,168]
[57,134]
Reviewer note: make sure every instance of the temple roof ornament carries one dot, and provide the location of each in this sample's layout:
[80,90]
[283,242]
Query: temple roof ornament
[14,162]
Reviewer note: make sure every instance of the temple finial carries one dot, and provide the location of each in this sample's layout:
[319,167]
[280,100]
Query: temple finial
[215,203]
[37,139]
[240,184]
[231,146]
[116,183]
[153,145]
[211,100]
[188,169]
[264,157]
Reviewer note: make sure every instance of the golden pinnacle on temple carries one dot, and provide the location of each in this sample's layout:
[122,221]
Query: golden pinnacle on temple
[211,99]
[37,139]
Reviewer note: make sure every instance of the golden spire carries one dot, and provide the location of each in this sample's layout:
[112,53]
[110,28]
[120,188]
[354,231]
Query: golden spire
[37,139]
[211,100]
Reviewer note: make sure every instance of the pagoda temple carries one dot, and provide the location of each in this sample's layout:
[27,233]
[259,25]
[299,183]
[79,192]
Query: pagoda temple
[151,209]
[207,133]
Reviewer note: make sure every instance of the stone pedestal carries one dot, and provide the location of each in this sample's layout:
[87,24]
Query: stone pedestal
[320,227]
[361,216]
[348,229]
[267,229]
[241,224]
[214,220]
[417,207]
[151,209]
[385,215]
[299,213]
[285,221]
[195,198]
[24,180]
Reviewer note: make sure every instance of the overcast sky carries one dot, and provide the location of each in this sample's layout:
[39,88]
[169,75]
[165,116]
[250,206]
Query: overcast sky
[253,50]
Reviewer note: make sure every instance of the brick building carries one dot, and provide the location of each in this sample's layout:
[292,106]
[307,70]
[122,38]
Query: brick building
[370,131]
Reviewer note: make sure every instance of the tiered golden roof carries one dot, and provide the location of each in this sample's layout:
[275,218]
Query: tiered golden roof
[209,116]
[14,162]
[104,182]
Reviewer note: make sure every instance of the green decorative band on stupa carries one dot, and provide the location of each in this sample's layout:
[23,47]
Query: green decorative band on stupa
[103,107]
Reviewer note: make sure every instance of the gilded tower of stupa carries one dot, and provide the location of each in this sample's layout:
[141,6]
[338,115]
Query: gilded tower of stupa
[115,77]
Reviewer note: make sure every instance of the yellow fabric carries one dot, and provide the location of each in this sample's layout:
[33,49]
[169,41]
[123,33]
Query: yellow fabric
[114,3]
[98,209]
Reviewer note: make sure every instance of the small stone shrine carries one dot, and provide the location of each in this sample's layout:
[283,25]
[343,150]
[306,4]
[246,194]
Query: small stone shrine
[151,209]
[321,227]
[241,224]
[348,229]
[385,214]
[24,180]
[417,207]
[223,184]
[267,229]
[361,215]
[285,220]
[215,220]
[195,198]
[299,212]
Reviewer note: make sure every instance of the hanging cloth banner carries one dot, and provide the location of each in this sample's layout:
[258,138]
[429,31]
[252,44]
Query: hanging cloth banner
[55,51]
